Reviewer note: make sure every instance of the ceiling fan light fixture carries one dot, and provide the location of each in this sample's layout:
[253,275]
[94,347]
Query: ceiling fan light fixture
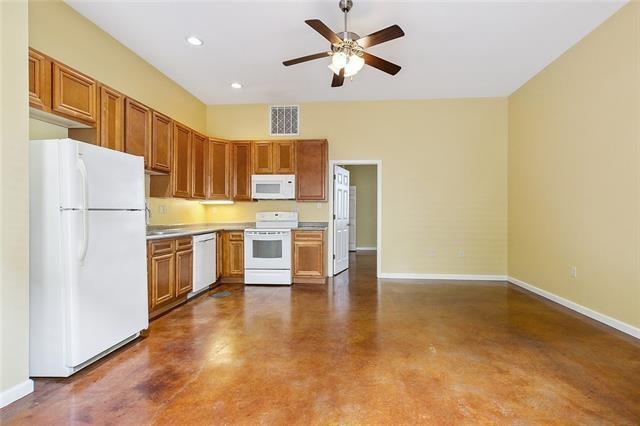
[354,65]
[335,69]
[338,60]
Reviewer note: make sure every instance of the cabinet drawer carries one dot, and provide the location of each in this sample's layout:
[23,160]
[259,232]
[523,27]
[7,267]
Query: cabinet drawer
[308,235]
[236,236]
[184,243]
[157,247]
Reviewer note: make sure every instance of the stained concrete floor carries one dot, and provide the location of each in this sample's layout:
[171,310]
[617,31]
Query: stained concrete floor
[357,351]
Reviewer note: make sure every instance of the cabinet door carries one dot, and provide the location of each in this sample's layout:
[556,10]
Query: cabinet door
[111,120]
[137,134]
[162,287]
[262,157]
[161,137]
[284,157]
[39,81]
[308,254]
[181,172]
[311,167]
[199,166]
[184,272]
[233,254]
[218,255]
[219,162]
[241,171]
[74,94]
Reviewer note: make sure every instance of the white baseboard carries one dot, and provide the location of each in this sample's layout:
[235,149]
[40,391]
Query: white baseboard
[605,319]
[405,276]
[16,392]
[366,248]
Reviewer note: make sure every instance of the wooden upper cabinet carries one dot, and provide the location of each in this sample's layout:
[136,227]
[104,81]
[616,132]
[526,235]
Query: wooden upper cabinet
[111,119]
[284,157]
[311,167]
[39,81]
[219,170]
[199,166]
[161,146]
[241,154]
[137,137]
[74,94]
[262,157]
[181,171]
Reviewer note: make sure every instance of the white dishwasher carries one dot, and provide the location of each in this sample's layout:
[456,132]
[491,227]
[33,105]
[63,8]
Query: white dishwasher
[204,262]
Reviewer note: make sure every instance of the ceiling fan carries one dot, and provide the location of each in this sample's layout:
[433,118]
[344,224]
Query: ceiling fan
[348,54]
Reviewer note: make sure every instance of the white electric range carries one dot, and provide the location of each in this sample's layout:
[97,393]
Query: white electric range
[267,249]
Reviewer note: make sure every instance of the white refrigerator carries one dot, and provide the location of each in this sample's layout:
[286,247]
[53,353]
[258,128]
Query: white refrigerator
[88,266]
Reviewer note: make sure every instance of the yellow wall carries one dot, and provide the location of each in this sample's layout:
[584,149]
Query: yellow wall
[14,197]
[363,177]
[43,130]
[444,177]
[574,172]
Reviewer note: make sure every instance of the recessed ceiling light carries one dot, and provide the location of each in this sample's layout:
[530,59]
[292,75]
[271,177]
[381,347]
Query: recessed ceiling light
[194,41]
[236,85]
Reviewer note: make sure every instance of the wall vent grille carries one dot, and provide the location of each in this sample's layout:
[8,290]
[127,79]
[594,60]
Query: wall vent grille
[284,120]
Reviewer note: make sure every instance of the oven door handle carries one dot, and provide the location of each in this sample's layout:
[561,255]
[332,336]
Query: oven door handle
[267,237]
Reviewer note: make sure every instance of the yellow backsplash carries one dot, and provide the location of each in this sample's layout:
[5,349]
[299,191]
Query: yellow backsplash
[173,211]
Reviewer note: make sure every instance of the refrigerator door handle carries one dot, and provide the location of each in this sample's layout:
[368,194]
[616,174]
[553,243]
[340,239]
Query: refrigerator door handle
[82,168]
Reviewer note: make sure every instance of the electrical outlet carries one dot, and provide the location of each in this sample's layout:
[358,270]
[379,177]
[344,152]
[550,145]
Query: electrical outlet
[574,272]
[162,209]
[318,205]
[460,253]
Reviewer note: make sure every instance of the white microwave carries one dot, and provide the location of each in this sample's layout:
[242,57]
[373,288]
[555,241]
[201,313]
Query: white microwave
[273,187]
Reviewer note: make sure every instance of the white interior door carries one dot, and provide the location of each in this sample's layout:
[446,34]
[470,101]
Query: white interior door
[340,219]
[352,217]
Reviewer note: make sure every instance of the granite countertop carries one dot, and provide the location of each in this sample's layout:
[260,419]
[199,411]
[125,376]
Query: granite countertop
[158,232]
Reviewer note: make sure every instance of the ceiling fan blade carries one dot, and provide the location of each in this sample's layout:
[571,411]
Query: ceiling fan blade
[305,58]
[338,79]
[381,64]
[387,34]
[324,31]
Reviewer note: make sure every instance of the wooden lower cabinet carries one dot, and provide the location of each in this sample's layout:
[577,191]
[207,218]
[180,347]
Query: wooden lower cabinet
[162,280]
[233,256]
[309,257]
[170,266]
[219,255]
[184,266]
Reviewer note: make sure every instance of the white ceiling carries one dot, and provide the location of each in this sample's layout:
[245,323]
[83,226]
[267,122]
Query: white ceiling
[451,49]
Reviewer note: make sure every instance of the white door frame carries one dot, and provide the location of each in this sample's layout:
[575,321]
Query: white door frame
[378,164]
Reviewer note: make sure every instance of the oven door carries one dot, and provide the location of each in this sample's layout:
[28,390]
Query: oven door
[267,249]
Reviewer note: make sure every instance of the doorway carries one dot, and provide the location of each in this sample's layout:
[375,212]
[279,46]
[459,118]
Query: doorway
[365,177]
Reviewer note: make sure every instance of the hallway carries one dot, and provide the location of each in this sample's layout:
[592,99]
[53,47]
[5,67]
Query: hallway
[358,351]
